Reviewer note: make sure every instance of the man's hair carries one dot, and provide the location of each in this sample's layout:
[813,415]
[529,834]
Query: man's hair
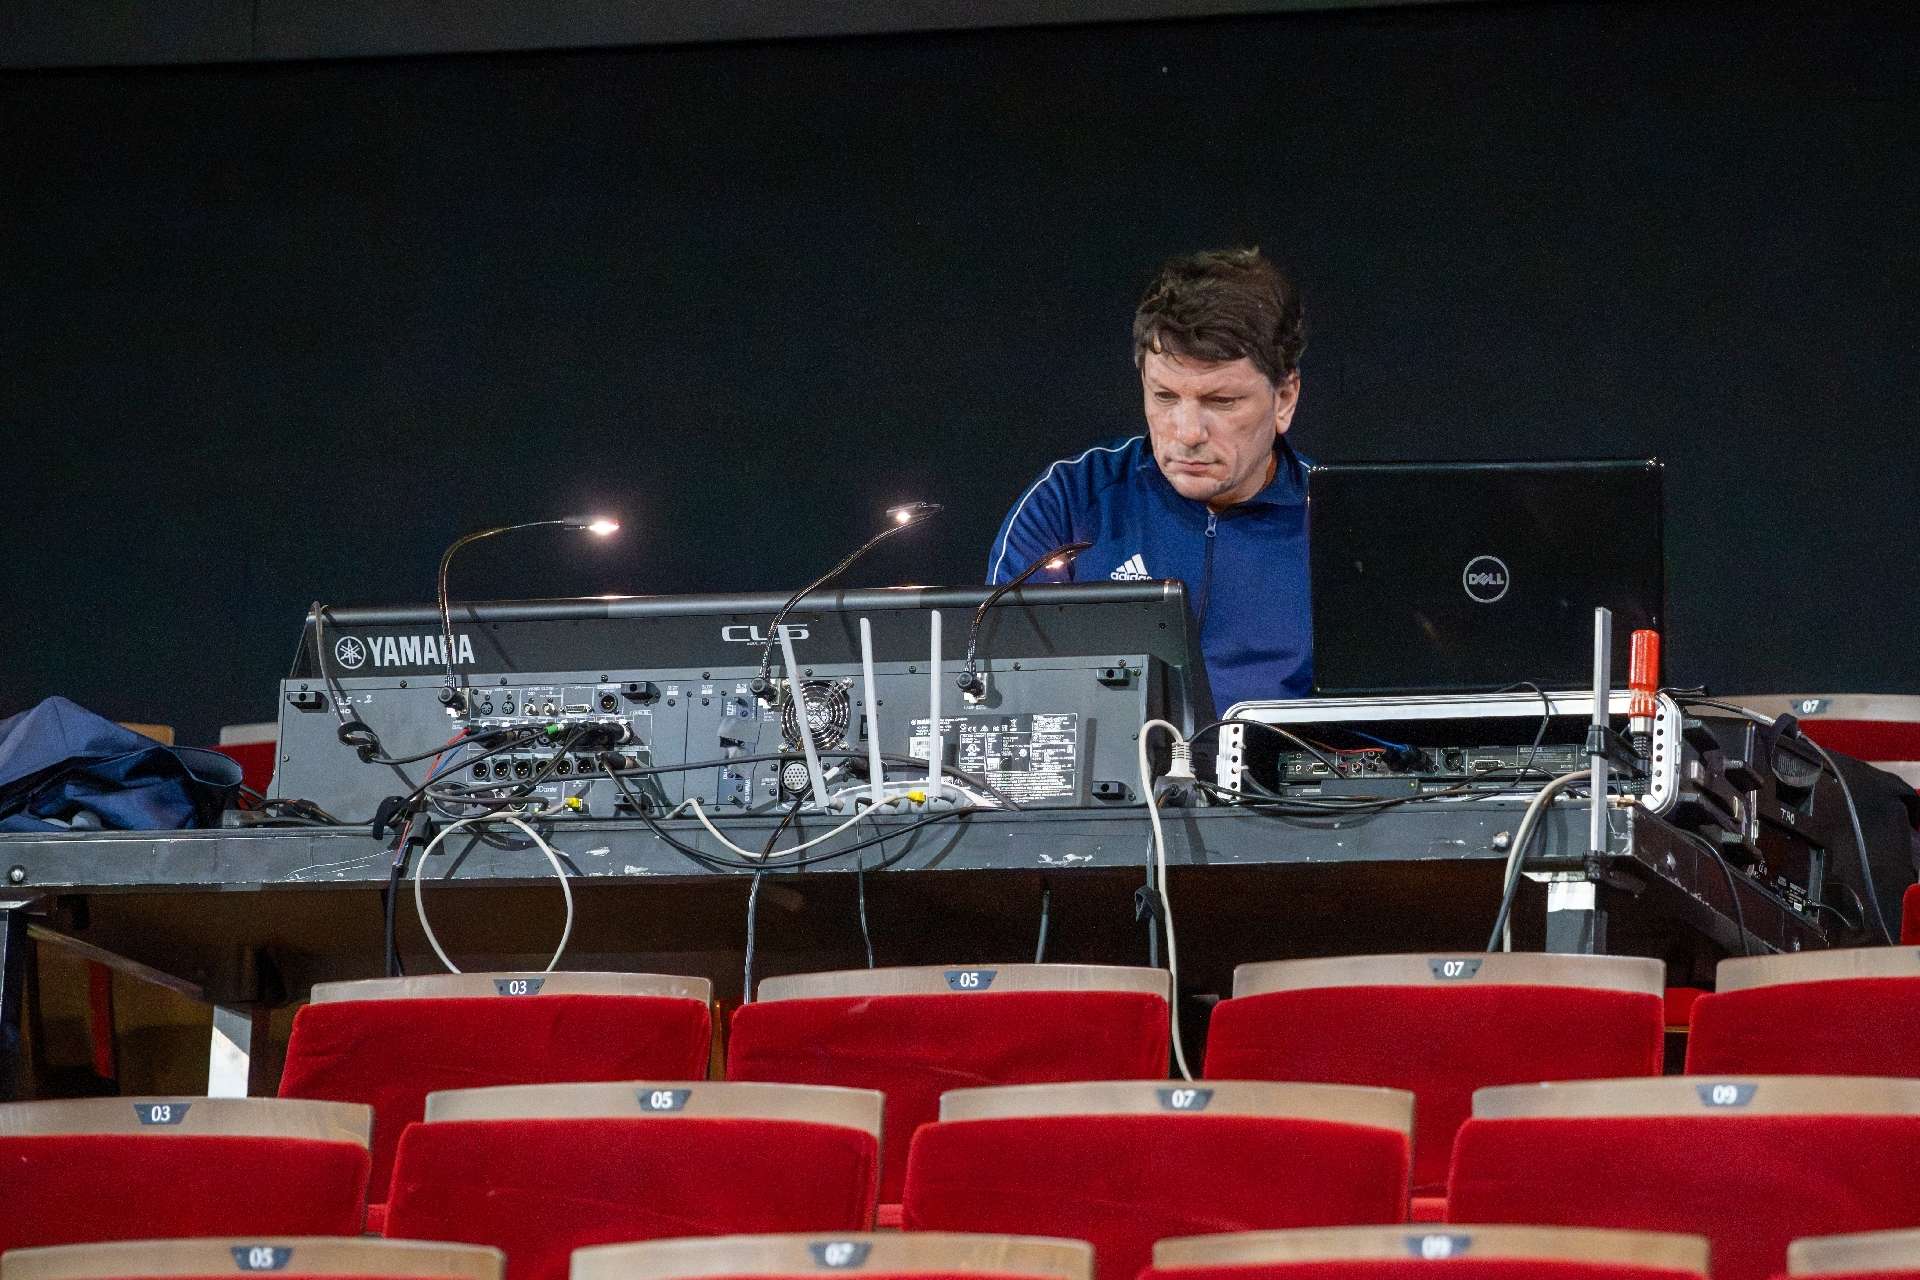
[1222,305]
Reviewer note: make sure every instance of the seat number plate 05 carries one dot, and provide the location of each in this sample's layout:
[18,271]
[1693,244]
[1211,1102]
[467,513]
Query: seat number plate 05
[664,1099]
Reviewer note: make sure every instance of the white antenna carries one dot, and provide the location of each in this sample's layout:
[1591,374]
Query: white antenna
[876,780]
[936,742]
[798,692]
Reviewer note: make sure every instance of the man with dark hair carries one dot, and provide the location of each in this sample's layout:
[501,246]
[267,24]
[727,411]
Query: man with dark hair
[1212,494]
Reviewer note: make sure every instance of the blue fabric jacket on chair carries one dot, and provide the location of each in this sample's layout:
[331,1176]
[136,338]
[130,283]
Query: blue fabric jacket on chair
[64,768]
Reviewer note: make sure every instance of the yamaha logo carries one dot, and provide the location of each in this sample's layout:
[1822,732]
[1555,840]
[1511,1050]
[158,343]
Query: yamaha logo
[354,652]
[1485,579]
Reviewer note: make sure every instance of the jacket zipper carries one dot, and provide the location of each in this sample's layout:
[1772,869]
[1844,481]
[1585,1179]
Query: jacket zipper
[1206,571]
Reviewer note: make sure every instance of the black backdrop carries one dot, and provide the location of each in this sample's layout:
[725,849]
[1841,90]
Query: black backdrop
[279,332]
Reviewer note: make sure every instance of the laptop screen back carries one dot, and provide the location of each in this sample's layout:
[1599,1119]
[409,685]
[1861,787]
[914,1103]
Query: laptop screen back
[1435,577]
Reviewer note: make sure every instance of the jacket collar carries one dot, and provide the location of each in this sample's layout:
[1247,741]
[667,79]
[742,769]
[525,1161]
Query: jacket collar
[1288,488]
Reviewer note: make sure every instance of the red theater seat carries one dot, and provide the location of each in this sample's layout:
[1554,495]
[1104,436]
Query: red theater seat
[284,1257]
[1882,729]
[1124,1164]
[391,1042]
[1749,1162]
[915,1033]
[132,1168]
[1851,1012]
[540,1170]
[1440,1253]
[1874,1255]
[1440,1027]
[1910,916]
[888,1255]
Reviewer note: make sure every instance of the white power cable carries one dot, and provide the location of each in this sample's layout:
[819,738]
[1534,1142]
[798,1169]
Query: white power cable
[1523,836]
[419,900]
[1160,880]
[898,789]
[693,804]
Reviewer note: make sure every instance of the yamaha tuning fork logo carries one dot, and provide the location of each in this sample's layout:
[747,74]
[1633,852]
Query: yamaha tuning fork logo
[349,653]
[1485,579]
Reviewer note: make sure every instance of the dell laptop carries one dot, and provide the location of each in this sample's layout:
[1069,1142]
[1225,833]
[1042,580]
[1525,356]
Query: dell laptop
[1448,577]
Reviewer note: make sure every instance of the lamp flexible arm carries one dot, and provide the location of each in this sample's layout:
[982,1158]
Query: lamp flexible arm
[446,560]
[970,681]
[764,683]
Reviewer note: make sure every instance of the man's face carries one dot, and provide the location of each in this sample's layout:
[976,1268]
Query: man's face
[1213,424]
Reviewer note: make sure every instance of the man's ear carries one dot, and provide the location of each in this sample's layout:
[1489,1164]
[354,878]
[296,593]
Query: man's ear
[1286,398]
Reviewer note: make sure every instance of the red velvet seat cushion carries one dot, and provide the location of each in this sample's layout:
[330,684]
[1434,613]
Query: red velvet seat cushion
[1751,1184]
[1439,1042]
[390,1054]
[914,1048]
[885,1275]
[278,1275]
[1125,1181]
[1873,740]
[1847,1027]
[1415,1269]
[538,1189]
[86,1187]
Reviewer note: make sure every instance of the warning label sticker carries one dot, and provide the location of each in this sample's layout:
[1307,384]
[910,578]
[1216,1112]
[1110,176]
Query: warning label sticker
[1032,758]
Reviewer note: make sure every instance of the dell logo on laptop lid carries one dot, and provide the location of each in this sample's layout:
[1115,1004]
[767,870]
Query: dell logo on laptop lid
[1485,579]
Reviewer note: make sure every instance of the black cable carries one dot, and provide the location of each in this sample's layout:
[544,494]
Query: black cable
[305,810]
[319,611]
[753,907]
[1516,859]
[1288,734]
[972,780]
[1046,907]
[906,517]
[860,891]
[1846,794]
[396,873]
[1852,926]
[1509,894]
[470,793]
[396,876]
[1146,906]
[1327,806]
[1733,889]
[753,900]
[1859,840]
[431,752]
[1058,558]
[1546,715]
[1539,734]
[354,732]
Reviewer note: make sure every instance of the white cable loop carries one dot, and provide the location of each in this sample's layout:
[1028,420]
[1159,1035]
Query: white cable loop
[1160,885]
[700,813]
[419,867]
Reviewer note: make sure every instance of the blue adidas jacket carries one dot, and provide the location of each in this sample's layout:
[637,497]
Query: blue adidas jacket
[1245,568]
